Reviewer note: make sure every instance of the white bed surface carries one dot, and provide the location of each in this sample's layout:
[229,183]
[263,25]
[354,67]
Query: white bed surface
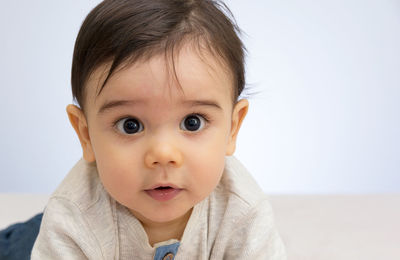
[313,227]
[336,227]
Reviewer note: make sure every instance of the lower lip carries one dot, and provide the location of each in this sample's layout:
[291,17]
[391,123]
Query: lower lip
[164,194]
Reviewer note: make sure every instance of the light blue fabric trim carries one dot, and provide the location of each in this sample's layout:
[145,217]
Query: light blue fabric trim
[164,250]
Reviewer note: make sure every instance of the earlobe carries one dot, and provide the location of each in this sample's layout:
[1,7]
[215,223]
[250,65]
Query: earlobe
[79,123]
[238,115]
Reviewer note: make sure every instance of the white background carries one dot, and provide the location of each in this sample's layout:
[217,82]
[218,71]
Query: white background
[327,119]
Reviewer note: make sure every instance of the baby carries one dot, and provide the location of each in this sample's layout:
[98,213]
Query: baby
[157,85]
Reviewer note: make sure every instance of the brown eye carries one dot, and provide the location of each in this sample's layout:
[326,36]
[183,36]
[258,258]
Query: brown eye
[192,123]
[129,126]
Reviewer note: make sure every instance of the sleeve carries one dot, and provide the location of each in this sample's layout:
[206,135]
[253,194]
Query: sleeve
[65,234]
[255,236]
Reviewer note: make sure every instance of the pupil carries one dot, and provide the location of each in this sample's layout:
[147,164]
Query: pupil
[131,126]
[192,123]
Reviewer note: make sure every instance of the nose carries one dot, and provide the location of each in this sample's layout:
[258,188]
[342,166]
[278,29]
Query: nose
[163,153]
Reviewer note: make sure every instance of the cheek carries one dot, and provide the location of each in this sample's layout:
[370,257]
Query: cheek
[207,165]
[118,169]
[206,176]
[118,178]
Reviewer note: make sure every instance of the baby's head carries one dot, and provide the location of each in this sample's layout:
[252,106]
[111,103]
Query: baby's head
[157,84]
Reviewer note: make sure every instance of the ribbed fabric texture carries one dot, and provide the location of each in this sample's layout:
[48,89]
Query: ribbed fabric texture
[82,221]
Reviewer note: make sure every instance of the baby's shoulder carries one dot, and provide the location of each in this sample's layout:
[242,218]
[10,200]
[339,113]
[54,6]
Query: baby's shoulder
[239,183]
[81,187]
[238,192]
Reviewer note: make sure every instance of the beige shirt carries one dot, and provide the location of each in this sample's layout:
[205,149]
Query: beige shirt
[81,221]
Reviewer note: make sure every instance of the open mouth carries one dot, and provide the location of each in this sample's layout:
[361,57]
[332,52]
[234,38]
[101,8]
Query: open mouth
[163,193]
[163,188]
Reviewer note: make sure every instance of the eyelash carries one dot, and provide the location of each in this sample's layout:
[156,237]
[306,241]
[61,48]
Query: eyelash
[204,116]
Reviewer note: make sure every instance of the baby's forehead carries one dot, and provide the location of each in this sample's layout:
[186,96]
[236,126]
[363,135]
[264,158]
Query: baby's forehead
[176,72]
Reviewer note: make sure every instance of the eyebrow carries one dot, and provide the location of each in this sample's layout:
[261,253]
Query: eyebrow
[209,103]
[110,105]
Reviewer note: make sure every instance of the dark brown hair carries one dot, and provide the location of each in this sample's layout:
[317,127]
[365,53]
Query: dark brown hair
[123,31]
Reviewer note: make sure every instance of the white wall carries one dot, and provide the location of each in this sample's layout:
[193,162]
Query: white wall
[327,119]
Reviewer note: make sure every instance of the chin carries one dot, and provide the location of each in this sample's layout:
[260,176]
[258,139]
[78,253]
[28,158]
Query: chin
[164,215]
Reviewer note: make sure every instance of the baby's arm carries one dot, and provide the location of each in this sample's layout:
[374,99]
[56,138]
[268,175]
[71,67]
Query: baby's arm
[256,237]
[64,234]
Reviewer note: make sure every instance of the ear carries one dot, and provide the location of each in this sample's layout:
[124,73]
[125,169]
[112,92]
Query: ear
[79,123]
[238,114]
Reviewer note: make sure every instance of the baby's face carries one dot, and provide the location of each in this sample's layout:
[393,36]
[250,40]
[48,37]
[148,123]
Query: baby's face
[147,132]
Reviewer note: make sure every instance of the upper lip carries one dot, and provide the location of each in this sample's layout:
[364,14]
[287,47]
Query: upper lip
[164,185]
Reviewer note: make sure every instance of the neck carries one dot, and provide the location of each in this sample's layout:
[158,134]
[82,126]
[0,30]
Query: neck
[159,232]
